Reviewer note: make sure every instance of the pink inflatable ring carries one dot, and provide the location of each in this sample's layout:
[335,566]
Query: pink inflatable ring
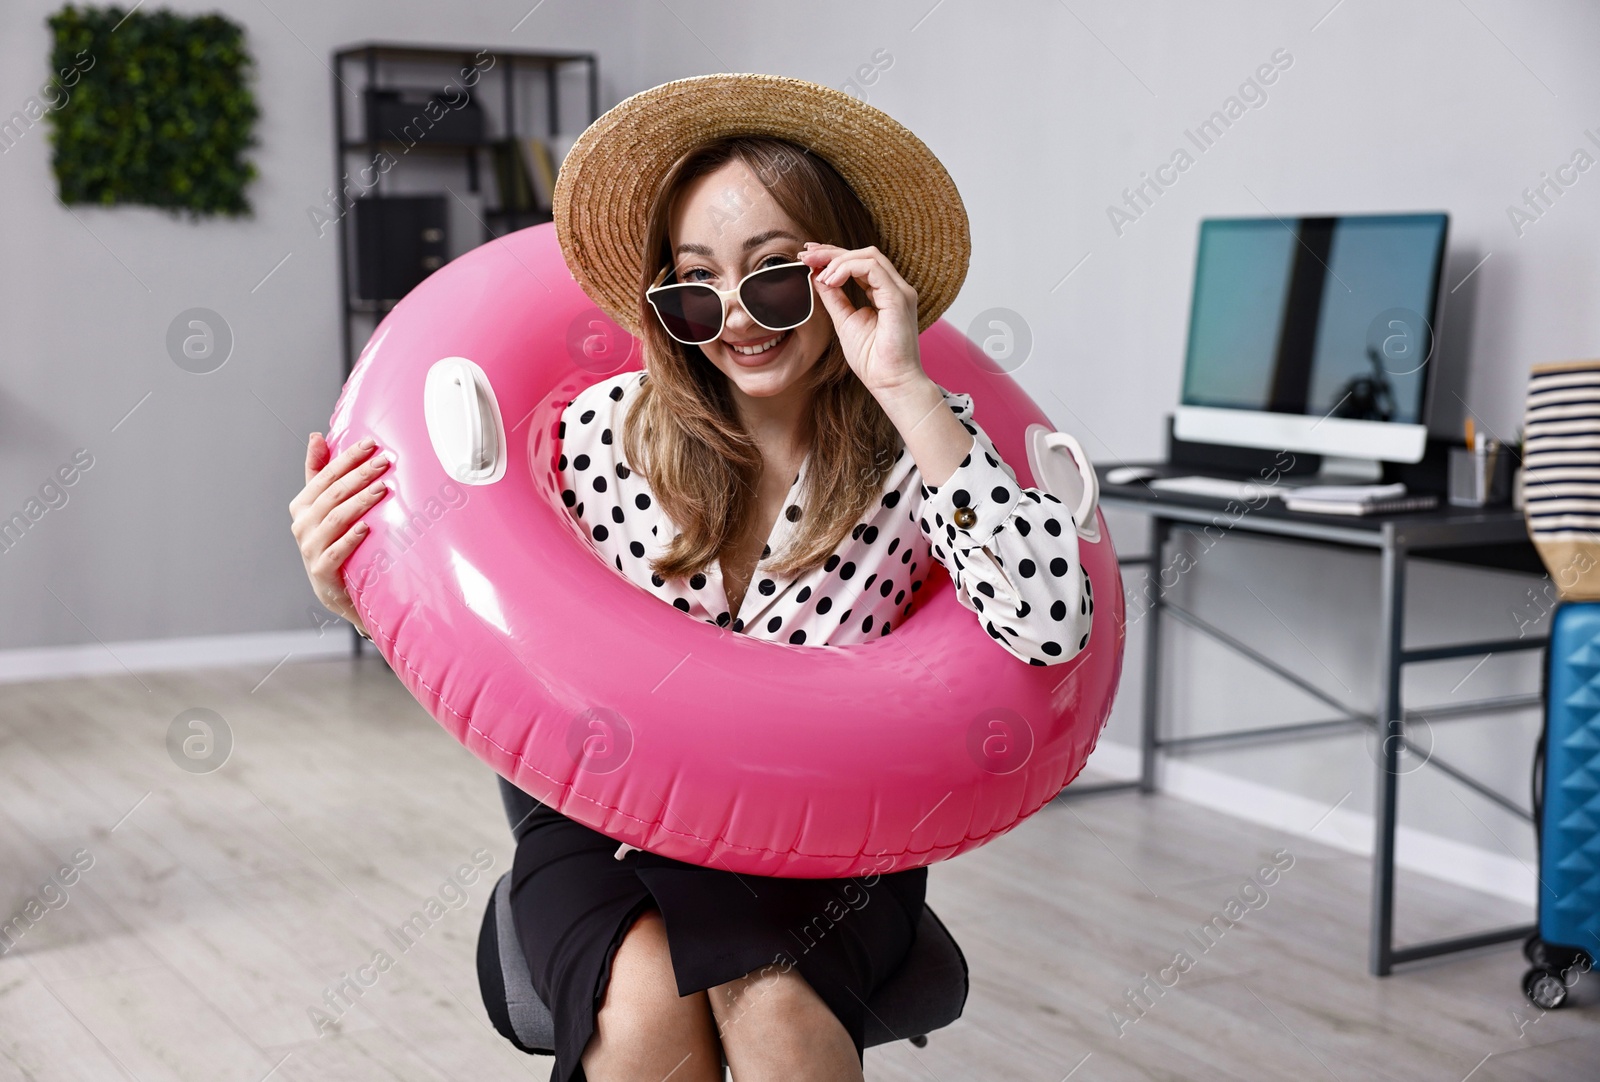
[664,732]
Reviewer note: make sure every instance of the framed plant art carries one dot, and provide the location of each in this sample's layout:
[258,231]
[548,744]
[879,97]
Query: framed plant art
[153,108]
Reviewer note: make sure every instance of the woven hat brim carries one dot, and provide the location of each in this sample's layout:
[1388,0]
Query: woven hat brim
[614,169]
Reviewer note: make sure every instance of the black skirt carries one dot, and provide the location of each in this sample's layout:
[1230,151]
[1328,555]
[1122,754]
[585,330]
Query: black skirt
[573,901]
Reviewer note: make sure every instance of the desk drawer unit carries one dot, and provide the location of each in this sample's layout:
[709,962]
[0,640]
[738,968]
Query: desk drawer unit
[1567,807]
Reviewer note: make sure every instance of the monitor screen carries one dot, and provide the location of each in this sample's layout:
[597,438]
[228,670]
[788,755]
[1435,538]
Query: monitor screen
[1324,317]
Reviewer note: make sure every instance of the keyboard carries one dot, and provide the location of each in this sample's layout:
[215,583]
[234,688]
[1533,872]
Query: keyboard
[1220,488]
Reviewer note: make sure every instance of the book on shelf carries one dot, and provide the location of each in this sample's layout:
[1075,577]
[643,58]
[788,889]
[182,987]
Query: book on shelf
[1357,499]
[541,171]
[526,168]
[513,186]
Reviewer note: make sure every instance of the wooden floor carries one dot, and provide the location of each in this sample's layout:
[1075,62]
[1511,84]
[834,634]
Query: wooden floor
[221,907]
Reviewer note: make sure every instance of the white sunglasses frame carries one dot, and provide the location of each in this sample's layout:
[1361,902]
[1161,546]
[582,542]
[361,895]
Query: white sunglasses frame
[723,295]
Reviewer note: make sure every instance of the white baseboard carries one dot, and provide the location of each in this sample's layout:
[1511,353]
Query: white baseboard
[159,655]
[1344,828]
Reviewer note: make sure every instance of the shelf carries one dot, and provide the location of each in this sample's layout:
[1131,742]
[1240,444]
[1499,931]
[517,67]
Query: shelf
[420,144]
[535,216]
[515,72]
[403,51]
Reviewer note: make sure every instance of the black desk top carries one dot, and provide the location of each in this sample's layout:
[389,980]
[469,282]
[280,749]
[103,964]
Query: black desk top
[1440,527]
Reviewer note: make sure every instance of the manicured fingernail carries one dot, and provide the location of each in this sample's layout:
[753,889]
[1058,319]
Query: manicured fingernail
[377,487]
[368,444]
[362,527]
[378,461]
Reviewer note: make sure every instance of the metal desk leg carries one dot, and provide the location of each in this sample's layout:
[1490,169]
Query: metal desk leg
[1391,734]
[1150,723]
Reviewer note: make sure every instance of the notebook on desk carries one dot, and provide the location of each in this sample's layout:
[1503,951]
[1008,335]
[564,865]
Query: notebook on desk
[1357,499]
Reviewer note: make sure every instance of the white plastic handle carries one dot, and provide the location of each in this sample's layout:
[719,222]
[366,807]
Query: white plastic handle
[1084,514]
[463,422]
[472,412]
[1083,489]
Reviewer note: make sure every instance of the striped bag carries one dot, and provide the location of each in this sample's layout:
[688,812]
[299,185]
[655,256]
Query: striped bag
[1561,478]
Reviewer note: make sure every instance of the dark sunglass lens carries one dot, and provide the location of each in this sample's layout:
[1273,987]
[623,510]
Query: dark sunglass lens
[779,298]
[690,312]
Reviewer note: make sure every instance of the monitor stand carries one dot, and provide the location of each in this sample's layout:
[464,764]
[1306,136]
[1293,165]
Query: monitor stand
[1343,470]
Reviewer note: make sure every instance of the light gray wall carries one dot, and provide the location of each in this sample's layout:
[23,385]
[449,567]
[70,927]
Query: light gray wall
[1043,113]
[1043,120]
[180,527]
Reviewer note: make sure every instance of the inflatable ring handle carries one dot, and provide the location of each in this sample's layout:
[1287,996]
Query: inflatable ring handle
[1085,493]
[463,421]
[477,453]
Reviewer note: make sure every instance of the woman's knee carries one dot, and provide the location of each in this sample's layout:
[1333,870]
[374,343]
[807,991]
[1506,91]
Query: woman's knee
[642,1020]
[770,1001]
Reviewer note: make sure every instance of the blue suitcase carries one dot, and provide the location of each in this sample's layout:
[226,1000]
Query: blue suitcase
[1566,807]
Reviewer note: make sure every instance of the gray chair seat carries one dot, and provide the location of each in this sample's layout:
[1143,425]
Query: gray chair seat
[927,992]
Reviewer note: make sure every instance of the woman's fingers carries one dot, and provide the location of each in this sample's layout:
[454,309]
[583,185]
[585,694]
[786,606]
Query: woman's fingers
[819,257]
[316,455]
[326,565]
[893,272]
[333,558]
[881,286]
[839,306]
[350,484]
[344,516]
[327,513]
[316,459]
[834,266]
[309,511]
[337,468]
[828,268]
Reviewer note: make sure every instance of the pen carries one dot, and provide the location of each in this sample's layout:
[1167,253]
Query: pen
[1470,443]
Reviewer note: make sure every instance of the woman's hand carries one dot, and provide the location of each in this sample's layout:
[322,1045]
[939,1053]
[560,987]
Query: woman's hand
[879,340]
[327,515]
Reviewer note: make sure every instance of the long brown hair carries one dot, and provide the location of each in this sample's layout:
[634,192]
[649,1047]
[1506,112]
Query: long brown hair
[683,431]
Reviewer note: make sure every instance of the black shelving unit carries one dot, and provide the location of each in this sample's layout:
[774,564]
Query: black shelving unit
[499,89]
[356,68]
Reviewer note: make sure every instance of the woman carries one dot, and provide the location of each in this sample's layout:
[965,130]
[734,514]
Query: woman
[781,468]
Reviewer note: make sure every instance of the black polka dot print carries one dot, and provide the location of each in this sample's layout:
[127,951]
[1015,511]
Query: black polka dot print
[1016,566]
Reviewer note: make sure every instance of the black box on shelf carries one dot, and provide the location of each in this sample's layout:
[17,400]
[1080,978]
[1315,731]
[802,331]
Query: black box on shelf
[411,115]
[400,240]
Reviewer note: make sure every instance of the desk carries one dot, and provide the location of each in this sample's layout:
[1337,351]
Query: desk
[1486,537]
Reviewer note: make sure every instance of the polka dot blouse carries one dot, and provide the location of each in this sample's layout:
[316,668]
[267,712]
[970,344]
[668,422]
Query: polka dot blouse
[1014,564]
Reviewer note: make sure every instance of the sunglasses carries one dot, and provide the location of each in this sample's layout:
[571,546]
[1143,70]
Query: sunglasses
[779,298]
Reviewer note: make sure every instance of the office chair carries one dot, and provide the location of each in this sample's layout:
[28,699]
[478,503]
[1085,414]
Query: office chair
[927,992]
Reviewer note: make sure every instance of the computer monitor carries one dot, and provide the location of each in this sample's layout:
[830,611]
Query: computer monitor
[1315,335]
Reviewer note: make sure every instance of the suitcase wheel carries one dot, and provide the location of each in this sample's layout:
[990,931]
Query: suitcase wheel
[1544,988]
[1533,950]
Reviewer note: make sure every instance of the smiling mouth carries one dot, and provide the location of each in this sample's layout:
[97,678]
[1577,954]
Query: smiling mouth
[758,348]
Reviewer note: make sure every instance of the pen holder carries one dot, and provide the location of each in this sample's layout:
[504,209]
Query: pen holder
[1479,478]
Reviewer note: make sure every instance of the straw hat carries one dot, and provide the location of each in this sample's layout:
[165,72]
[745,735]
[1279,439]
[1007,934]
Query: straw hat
[611,174]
